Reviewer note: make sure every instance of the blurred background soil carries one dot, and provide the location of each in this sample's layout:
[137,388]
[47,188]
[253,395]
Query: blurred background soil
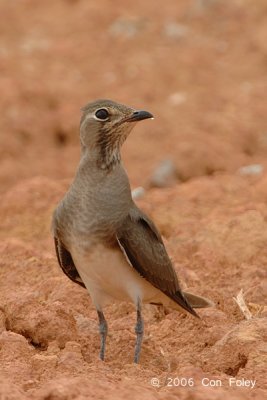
[200,66]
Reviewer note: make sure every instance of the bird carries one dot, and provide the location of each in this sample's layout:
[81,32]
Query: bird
[103,241]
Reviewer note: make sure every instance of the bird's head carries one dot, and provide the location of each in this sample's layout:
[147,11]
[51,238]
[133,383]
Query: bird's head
[104,127]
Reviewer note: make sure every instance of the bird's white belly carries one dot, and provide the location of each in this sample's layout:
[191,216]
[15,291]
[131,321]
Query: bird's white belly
[108,276]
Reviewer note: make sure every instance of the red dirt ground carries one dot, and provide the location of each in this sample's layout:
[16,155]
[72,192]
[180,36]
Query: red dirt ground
[200,67]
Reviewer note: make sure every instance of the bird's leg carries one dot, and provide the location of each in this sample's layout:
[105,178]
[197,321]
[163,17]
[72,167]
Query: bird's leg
[139,330]
[103,330]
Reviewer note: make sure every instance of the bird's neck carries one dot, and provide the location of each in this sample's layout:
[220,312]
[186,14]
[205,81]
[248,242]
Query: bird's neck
[104,191]
[105,158]
[109,159]
[95,173]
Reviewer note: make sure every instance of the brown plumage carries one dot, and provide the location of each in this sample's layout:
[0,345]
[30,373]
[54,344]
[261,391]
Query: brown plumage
[103,241]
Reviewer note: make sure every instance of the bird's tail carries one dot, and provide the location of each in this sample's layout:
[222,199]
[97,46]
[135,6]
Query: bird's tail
[198,301]
[187,302]
[183,302]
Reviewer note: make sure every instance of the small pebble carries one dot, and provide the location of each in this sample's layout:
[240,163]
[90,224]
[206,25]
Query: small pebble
[164,175]
[175,31]
[127,28]
[253,169]
[138,192]
[177,98]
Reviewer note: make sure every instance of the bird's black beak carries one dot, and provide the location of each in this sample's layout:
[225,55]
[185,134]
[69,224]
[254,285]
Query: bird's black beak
[138,116]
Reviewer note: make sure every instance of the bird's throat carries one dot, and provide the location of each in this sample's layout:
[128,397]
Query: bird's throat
[109,158]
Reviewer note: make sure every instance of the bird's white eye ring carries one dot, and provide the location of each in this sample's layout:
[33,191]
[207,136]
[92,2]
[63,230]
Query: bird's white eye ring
[102,114]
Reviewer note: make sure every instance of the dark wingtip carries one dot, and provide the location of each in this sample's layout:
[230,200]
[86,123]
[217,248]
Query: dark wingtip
[180,299]
[194,313]
[191,311]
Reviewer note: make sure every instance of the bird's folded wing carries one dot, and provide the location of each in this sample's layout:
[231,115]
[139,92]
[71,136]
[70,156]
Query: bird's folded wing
[144,248]
[66,262]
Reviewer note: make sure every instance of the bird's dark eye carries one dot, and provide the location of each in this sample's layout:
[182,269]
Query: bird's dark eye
[102,114]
